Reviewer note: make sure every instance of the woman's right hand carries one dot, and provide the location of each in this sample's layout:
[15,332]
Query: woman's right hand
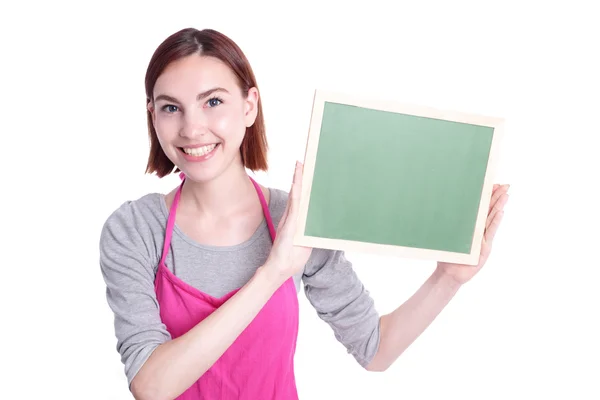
[286,259]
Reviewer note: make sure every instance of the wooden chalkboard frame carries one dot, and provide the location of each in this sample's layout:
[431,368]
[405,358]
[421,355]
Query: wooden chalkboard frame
[312,144]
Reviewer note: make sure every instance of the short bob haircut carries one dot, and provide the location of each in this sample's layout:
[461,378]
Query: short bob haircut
[210,43]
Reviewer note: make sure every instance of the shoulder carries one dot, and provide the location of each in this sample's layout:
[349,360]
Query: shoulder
[134,225]
[135,214]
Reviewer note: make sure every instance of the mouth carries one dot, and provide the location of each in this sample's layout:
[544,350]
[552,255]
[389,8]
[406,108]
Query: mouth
[199,151]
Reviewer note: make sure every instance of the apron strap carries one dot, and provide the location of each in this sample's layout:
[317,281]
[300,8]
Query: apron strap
[265,208]
[171,220]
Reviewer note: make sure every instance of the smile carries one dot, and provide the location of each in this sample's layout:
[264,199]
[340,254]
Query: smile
[199,151]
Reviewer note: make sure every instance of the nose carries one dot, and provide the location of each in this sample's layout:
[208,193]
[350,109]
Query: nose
[195,124]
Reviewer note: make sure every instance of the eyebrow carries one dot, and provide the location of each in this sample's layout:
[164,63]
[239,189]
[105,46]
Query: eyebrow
[200,96]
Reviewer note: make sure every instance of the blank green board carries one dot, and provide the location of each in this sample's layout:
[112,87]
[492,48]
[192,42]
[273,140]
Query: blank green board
[396,179]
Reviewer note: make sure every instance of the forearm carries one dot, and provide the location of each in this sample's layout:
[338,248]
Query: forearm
[399,329]
[175,365]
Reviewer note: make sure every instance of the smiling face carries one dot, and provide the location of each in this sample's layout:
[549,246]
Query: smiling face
[200,116]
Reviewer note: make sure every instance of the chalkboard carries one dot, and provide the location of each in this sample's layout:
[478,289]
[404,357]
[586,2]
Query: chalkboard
[397,179]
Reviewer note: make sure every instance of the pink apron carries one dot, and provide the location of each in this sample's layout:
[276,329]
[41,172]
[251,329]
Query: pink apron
[259,365]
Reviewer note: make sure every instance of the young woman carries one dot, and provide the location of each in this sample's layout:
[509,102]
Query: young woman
[204,289]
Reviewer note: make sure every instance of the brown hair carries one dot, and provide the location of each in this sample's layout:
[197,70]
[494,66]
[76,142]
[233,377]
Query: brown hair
[211,43]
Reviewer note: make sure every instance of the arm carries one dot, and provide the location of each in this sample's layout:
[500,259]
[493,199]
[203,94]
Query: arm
[400,328]
[175,365]
[341,300]
[156,366]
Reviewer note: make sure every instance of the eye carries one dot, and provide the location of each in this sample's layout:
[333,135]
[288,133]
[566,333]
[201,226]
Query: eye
[170,108]
[213,102]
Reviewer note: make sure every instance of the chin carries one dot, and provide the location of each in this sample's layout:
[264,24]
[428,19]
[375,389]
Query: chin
[202,175]
[208,171]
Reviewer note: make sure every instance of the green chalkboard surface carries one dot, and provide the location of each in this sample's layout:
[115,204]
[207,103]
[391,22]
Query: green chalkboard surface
[388,178]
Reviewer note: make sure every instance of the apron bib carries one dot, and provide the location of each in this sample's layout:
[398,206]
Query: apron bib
[259,365]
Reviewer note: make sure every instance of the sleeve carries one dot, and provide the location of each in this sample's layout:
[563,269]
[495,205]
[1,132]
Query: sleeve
[341,300]
[129,274]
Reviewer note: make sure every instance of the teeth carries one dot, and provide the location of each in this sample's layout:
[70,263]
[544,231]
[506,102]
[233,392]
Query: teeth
[199,151]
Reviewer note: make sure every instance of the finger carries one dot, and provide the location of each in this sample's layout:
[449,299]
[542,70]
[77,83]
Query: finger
[498,191]
[493,228]
[499,206]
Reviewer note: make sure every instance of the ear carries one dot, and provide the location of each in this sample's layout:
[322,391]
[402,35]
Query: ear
[251,106]
[150,107]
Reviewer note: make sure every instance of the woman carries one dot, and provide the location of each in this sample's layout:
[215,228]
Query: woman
[203,287]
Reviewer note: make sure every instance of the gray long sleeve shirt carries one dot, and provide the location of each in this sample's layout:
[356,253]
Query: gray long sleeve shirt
[130,249]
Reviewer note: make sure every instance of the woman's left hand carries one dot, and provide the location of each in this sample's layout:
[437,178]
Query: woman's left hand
[463,273]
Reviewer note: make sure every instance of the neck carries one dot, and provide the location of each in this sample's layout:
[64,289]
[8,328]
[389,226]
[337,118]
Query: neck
[221,196]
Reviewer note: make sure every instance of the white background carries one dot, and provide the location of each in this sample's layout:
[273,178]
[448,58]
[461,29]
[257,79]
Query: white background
[74,147]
